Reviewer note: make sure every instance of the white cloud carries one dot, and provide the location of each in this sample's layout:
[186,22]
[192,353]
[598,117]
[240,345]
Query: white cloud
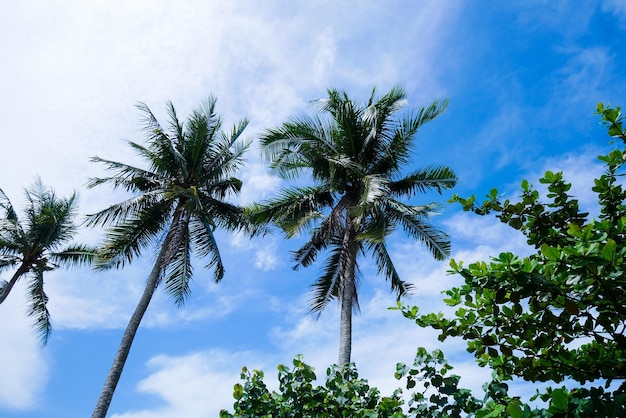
[196,385]
[83,299]
[24,367]
[258,183]
[266,258]
[470,230]
[582,78]
[325,56]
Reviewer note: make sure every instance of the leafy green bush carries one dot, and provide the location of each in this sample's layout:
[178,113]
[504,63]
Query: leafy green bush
[559,313]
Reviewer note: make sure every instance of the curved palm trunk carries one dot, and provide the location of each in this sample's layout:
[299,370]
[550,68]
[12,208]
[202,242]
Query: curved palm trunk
[104,401]
[7,289]
[348,294]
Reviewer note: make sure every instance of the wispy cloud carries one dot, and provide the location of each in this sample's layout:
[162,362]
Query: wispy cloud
[617,8]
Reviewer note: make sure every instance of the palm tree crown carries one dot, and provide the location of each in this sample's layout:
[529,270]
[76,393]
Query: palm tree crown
[190,172]
[356,155]
[38,244]
[178,201]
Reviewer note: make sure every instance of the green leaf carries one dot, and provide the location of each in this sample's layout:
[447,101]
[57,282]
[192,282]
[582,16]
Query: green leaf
[559,400]
[615,130]
[238,391]
[609,249]
[550,253]
[525,185]
[514,409]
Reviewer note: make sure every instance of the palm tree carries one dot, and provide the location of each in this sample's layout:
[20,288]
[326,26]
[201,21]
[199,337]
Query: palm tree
[178,201]
[355,155]
[38,245]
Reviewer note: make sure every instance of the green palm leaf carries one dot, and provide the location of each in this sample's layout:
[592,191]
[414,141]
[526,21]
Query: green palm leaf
[387,269]
[420,181]
[414,221]
[206,246]
[327,286]
[178,272]
[75,255]
[38,308]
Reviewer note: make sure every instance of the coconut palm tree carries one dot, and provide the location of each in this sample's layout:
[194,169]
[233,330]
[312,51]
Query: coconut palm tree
[355,155]
[178,200]
[39,244]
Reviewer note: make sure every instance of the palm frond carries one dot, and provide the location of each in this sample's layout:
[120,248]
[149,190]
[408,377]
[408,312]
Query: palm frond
[388,269]
[437,178]
[128,177]
[303,142]
[376,227]
[224,187]
[8,213]
[127,209]
[379,122]
[206,246]
[12,237]
[75,255]
[201,134]
[176,127]
[327,286]
[225,158]
[49,219]
[294,209]
[426,114]
[222,214]
[150,122]
[329,230]
[395,150]
[414,221]
[38,308]
[127,238]
[373,189]
[7,261]
[165,158]
[177,271]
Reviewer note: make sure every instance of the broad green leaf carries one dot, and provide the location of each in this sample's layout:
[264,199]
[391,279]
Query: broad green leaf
[609,249]
[550,253]
[514,409]
[559,400]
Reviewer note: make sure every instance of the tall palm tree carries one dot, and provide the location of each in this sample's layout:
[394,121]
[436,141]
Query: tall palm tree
[178,201]
[39,244]
[356,155]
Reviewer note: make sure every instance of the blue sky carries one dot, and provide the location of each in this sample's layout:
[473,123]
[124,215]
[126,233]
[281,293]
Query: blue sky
[523,79]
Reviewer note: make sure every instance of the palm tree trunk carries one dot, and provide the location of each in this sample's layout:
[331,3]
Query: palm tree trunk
[7,288]
[104,401]
[348,294]
[345,326]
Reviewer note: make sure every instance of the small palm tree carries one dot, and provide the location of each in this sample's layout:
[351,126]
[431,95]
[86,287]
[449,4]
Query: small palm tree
[179,200]
[39,244]
[356,156]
